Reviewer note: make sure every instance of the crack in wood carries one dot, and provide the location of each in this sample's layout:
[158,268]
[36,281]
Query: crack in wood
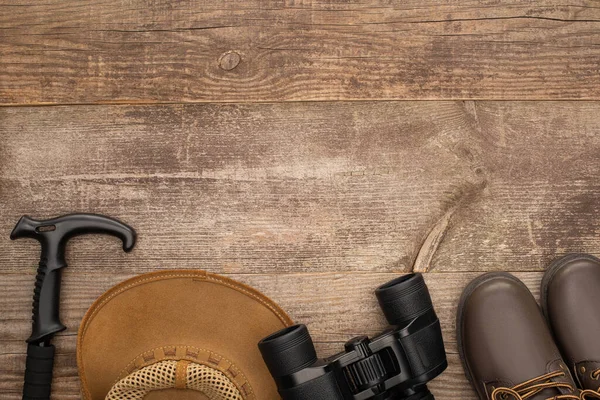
[499,18]
[186,29]
[439,230]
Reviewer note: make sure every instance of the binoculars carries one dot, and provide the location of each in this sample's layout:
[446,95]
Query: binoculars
[395,365]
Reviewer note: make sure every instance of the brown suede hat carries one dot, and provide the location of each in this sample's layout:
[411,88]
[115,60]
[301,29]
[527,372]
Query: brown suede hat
[177,335]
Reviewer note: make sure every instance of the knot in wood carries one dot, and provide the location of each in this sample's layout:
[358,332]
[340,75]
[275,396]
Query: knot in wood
[229,60]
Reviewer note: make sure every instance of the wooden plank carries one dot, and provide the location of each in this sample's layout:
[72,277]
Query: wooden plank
[66,51]
[335,307]
[273,188]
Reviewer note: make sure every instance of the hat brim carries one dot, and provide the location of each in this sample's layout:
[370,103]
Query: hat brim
[183,315]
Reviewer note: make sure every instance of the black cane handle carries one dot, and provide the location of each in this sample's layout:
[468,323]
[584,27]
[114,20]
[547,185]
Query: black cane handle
[38,372]
[53,235]
[46,300]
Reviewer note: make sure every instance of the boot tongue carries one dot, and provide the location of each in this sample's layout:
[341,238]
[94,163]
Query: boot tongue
[546,394]
[564,379]
[551,393]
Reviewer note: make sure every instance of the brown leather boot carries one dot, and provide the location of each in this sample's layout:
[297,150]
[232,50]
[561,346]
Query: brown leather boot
[506,347]
[571,302]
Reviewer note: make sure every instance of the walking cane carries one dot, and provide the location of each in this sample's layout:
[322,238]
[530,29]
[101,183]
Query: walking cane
[53,235]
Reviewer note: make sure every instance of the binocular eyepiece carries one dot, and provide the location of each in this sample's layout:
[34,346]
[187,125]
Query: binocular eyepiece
[404,298]
[394,365]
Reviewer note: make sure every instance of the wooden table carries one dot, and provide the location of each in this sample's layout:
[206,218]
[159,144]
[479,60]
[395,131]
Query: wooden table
[287,144]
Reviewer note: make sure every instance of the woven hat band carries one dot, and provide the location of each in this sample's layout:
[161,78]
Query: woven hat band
[172,374]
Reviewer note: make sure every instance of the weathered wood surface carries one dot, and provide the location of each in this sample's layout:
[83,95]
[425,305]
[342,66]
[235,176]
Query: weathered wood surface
[68,51]
[315,204]
[306,187]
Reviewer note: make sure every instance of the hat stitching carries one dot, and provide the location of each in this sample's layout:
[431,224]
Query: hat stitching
[172,351]
[188,353]
[247,389]
[232,372]
[212,360]
[232,365]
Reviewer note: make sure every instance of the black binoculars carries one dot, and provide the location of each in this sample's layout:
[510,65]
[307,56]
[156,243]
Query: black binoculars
[395,365]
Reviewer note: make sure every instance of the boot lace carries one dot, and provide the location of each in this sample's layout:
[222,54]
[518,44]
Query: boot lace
[596,375]
[530,388]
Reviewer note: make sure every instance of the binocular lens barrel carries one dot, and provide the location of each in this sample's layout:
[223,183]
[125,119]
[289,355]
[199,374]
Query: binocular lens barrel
[288,350]
[404,299]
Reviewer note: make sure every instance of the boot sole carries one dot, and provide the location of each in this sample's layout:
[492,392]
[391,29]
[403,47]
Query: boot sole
[469,289]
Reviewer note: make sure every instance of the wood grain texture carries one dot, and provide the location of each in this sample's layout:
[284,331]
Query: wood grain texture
[315,204]
[66,51]
[315,187]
